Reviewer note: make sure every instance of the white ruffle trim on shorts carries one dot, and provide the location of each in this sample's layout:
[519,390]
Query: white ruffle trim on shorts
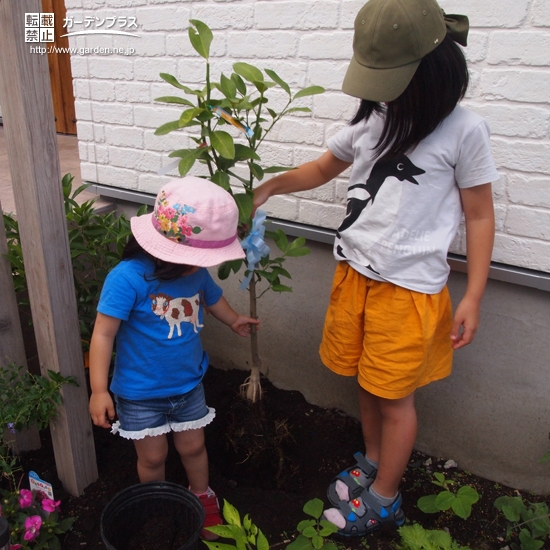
[176,427]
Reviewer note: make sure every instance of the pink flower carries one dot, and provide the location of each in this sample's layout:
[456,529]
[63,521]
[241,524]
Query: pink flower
[25,498]
[32,527]
[16,546]
[50,505]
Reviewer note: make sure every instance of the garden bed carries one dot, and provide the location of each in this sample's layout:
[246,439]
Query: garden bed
[268,463]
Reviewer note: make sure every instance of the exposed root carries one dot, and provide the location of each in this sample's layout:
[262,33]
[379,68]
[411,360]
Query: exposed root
[251,389]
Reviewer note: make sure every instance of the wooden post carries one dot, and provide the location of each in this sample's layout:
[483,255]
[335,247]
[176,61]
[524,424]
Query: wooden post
[12,348]
[31,141]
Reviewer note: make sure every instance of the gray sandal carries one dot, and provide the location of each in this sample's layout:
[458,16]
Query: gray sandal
[365,514]
[358,477]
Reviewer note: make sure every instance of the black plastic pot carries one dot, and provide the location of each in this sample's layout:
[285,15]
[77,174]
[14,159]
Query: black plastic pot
[153,515]
[4,534]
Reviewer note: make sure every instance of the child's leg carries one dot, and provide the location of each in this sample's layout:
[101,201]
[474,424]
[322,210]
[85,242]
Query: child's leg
[152,452]
[192,451]
[191,448]
[389,429]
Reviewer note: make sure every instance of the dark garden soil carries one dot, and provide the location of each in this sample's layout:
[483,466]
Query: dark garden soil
[268,462]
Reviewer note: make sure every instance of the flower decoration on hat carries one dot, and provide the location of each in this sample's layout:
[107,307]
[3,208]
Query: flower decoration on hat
[171,220]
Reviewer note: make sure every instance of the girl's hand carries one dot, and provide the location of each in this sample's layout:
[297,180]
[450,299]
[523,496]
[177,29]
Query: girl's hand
[102,409]
[261,194]
[242,326]
[466,321]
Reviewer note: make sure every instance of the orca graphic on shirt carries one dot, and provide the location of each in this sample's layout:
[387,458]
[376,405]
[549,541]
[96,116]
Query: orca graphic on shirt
[399,167]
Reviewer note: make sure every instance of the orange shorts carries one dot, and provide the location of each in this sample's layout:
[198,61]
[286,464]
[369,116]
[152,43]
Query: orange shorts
[393,339]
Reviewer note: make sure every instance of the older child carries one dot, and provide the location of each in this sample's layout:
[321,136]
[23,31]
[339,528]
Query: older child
[419,162]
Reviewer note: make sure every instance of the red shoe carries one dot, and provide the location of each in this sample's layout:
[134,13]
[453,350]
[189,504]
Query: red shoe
[213,517]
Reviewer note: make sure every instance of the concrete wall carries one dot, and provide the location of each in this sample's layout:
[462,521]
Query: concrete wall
[492,415]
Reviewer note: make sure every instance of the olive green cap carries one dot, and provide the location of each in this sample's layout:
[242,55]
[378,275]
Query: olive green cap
[391,37]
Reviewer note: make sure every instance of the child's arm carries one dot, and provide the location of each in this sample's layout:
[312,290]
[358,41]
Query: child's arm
[477,203]
[240,324]
[307,176]
[101,351]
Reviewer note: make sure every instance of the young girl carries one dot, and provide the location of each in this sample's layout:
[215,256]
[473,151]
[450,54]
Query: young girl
[152,303]
[419,161]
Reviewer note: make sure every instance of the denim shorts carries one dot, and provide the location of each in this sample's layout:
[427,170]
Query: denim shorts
[137,419]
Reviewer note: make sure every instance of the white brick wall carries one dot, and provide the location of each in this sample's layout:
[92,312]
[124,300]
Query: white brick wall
[307,43]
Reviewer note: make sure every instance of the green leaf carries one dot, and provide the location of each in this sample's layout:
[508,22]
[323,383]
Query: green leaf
[174,99]
[222,179]
[188,115]
[461,508]
[281,288]
[311,90]
[441,538]
[297,252]
[244,202]
[239,82]
[248,72]
[188,158]
[415,537]
[200,37]
[223,143]
[262,543]
[314,508]
[167,128]
[217,545]
[317,542]
[444,500]
[512,507]
[242,152]
[300,543]
[174,82]
[427,504]
[257,171]
[298,110]
[224,270]
[527,542]
[231,514]
[281,240]
[468,494]
[262,87]
[276,78]
[228,87]
[309,531]
[327,528]
[304,524]
[440,477]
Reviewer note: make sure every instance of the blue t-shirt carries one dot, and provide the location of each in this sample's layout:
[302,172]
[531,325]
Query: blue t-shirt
[158,347]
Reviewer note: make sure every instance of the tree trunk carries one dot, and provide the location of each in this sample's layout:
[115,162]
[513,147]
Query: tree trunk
[252,388]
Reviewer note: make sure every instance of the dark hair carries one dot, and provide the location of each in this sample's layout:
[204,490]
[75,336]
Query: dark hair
[164,271]
[438,84]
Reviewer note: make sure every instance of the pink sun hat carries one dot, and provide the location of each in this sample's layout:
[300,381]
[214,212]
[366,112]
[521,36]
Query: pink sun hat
[194,222]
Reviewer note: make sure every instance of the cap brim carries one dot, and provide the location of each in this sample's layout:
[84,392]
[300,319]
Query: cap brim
[379,85]
[164,249]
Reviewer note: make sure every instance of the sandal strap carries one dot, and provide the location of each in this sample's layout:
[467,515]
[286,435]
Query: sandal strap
[374,504]
[212,508]
[367,467]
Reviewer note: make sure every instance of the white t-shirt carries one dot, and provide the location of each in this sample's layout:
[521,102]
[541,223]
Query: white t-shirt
[403,214]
